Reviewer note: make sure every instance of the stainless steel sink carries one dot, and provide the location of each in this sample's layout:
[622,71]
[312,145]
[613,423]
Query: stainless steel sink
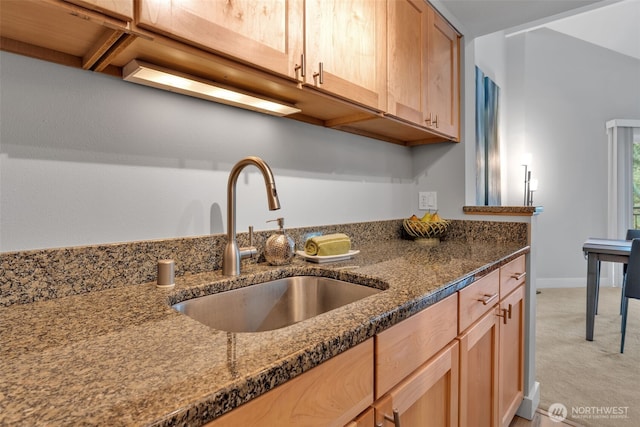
[272,305]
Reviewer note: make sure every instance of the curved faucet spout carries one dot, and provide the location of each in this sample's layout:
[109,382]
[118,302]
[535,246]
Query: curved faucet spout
[232,254]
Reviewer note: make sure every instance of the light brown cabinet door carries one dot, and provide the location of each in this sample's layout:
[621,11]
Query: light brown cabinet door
[511,388]
[443,76]
[265,33]
[345,49]
[479,373]
[407,22]
[428,397]
[121,9]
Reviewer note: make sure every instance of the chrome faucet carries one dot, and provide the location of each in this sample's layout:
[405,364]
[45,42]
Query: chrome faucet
[232,253]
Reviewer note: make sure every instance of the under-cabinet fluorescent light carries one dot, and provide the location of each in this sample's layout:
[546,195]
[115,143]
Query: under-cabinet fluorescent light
[164,78]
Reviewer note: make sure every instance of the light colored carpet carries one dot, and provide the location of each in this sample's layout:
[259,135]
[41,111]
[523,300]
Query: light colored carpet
[599,386]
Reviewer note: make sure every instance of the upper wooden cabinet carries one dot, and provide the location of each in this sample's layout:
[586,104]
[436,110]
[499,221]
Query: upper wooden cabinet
[443,76]
[366,419]
[407,54]
[121,9]
[61,32]
[327,57]
[267,33]
[290,37]
[345,49]
[423,80]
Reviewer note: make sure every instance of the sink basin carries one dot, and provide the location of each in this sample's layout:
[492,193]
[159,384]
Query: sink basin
[272,305]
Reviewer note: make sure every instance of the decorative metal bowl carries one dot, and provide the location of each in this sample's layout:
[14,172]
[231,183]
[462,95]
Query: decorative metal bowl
[432,230]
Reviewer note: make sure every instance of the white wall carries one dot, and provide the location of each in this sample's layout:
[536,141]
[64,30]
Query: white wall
[562,91]
[557,92]
[87,158]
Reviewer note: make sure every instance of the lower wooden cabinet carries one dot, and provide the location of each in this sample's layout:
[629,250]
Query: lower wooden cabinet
[427,397]
[404,347]
[492,347]
[511,373]
[479,373]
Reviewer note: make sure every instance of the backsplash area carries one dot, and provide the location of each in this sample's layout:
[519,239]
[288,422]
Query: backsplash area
[29,276]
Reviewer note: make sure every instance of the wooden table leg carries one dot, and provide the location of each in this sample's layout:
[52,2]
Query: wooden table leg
[593,279]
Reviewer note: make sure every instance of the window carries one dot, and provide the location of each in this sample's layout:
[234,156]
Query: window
[636,178]
[623,182]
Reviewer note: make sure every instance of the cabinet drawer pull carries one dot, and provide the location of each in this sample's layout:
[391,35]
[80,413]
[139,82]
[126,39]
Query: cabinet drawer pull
[519,276]
[488,298]
[395,420]
[435,122]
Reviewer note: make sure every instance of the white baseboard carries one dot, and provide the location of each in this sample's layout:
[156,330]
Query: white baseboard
[530,402]
[572,282]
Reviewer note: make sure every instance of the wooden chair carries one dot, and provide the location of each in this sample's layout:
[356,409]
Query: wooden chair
[632,286]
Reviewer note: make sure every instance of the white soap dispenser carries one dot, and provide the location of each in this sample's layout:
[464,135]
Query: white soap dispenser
[279,248]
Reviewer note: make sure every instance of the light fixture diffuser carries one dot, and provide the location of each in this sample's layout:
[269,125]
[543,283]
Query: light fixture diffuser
[163,78]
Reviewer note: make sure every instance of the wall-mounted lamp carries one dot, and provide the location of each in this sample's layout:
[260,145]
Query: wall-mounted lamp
[163,78]
[533,186]
[526,162]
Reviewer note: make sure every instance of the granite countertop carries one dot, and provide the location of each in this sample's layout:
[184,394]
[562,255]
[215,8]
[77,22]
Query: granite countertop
[123,357]
[503,210]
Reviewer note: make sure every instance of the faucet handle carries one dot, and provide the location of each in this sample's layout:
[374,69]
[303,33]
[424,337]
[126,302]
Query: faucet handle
[248,251]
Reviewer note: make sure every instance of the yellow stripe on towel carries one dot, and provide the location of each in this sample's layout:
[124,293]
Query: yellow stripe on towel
[331,244]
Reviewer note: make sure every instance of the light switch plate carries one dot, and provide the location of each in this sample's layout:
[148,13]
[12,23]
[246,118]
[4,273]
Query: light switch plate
[428,200]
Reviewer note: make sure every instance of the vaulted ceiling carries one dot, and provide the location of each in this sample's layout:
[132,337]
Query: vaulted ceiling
[481,17]
[612,24]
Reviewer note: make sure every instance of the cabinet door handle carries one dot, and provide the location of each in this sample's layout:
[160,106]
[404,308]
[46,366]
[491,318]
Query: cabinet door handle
[320,74]
[519,276]
[506,313]
[302,68]
[486,299]
[430,122]
[503,315]
[395,420]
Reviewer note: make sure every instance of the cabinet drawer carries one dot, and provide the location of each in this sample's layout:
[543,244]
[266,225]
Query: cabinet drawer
[512,275]
[331,394]
[402,348]
[478,298]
